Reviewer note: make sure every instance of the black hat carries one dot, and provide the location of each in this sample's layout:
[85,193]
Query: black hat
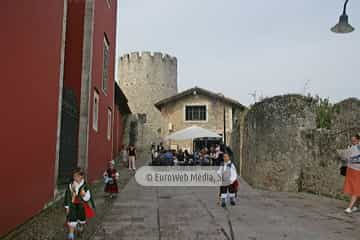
[228,151]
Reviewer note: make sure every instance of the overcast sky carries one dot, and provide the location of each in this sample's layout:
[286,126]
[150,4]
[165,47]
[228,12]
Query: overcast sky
[238,47]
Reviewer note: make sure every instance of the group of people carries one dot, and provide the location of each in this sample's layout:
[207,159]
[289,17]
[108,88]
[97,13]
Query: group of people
[213,156]
[79,204]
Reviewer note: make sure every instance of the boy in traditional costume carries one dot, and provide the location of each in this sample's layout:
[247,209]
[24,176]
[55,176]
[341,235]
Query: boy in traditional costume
[76,202]
[110,177]
[229,181]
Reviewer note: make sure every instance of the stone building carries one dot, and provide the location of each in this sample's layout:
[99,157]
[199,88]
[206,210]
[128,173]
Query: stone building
[146,78]
[200,107]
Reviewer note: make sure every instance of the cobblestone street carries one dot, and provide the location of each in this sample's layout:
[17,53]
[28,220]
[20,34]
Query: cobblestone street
[193,213]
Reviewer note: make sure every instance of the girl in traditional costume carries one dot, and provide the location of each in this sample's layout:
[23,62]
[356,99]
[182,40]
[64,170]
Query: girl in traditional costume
[110,177]
[78,203]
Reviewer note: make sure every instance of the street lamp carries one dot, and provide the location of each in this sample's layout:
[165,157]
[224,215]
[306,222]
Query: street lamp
[224,123]
[343,25]
[224,117]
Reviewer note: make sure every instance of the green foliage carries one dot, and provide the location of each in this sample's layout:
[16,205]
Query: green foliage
[324,112]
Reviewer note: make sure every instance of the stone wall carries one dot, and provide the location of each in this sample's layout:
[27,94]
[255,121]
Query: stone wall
[273,150]
[346,116]
[236,142]
[134,130]
[145,79]
[284,151]
[321,168]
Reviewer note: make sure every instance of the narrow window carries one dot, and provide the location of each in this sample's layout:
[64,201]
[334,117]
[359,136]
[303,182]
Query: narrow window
[105,70]
[109,123]
[96,111]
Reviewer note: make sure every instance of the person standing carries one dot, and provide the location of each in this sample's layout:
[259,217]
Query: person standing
[111,176]
[352,178]
[218,156]
[160,147]
[152,150]
[132,157]
[78,203]
[205,157]
[229,181]
[186,157]
[180,156]
[212,156]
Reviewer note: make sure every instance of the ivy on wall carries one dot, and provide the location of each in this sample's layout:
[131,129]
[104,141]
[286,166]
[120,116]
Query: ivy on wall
[324,113]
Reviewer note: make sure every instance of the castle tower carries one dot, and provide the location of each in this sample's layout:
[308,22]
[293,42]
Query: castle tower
[147,78]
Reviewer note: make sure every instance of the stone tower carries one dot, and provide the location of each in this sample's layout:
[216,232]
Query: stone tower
[147,78]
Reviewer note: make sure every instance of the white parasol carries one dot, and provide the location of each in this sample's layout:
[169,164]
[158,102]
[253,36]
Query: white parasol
[192,133]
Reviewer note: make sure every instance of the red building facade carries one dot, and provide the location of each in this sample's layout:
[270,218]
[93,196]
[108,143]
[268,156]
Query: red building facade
[58,110]
[104,39]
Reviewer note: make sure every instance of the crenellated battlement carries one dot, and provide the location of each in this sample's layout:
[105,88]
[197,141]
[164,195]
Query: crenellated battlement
[147,56]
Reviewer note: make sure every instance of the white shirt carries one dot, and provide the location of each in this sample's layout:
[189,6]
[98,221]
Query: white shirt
[228,173]
[77,186]
[354,161]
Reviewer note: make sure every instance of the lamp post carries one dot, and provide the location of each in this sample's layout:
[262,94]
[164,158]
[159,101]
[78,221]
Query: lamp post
[343,25]
[222,97]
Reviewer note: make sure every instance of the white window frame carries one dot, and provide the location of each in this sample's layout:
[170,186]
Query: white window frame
[196,104]
[105,68]
[108,2]
[109,124]
[96,106]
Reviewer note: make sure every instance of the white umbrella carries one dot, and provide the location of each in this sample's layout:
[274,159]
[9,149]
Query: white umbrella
[192,133]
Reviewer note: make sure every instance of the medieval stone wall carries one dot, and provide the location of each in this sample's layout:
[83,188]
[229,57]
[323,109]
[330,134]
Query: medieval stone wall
[319,171]
[284,151]
[145,79]
[236,142]
[272,141]
[346,116]
[134,129]
[321,168]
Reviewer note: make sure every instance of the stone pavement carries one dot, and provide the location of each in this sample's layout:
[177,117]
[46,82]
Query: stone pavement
[193,213]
